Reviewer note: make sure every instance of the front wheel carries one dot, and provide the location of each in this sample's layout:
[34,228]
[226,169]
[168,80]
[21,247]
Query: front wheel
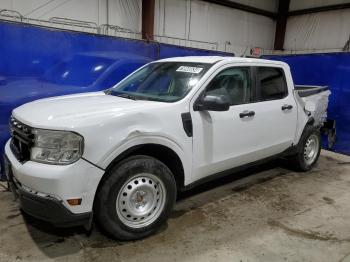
[136,198]
[308,150]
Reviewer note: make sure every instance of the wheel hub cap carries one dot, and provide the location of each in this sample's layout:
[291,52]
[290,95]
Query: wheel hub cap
[141,200]
[311,149]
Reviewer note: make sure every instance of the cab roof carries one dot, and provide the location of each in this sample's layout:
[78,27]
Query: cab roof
[215,59]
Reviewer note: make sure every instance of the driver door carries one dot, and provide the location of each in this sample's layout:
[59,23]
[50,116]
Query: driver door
[226,139]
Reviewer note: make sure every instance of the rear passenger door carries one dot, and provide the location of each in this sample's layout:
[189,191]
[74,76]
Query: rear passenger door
[276,112]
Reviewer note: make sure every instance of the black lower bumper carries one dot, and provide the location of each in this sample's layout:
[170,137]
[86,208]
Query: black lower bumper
[48,209]
[51,210]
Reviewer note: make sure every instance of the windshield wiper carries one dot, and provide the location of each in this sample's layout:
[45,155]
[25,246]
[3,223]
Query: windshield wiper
[123,95]
[128,96]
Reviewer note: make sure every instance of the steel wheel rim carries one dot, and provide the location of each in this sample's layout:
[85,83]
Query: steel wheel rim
[141,200]
[311,149]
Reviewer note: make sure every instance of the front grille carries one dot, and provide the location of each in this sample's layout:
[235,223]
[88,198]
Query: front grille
[22,140]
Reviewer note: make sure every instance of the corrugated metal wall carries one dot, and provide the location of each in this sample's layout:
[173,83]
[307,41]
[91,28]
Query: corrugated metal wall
[116,12]
[316,32]
[319,31]
[235,31]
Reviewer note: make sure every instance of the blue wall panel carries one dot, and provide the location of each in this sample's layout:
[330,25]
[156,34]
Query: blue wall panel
[29,50]
[171,51]
[38,62]
[332,69]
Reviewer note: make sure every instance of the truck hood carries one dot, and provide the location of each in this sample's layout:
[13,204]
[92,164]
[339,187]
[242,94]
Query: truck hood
[73,111]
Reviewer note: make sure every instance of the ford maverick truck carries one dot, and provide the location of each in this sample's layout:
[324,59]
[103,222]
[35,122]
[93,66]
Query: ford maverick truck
[120,156]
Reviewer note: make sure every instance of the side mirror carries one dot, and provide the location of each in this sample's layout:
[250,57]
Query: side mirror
[212,103]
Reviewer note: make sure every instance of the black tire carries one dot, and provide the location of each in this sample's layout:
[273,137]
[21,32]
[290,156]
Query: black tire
[115,181]
[299,161]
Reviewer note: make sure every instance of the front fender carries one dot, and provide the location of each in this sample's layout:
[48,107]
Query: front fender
[138,138]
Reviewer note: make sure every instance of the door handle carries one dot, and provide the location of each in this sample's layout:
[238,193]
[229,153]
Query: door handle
[287,107]
[246,113]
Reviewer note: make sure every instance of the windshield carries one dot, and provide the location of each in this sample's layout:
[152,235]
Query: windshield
[164,82]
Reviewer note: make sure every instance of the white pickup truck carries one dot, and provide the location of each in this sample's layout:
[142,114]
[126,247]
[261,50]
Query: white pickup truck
[122,155]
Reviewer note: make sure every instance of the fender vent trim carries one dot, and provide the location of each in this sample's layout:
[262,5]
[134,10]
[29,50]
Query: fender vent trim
[187,123]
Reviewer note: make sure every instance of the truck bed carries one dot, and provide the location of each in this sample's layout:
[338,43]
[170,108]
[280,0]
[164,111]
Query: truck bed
[319,96]
[308,90]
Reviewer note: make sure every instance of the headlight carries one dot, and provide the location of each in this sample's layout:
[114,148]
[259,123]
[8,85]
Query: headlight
[56,147]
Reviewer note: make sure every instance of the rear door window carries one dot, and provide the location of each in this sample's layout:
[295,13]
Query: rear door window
[271,83]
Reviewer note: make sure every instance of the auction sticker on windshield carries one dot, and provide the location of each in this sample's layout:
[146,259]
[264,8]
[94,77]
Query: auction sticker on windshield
[189,69]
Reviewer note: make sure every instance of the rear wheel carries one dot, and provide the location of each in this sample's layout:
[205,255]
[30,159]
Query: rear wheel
[136,198]
[308,150]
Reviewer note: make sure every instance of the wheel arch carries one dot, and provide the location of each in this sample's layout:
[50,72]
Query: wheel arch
[160,152]
[309,123]
[300,132]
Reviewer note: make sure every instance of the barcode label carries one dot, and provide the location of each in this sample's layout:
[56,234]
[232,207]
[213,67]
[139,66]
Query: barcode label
[189,69]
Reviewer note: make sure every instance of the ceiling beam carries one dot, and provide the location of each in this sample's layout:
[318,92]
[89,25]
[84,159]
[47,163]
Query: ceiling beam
[281,24]
[148,19]
[242,7]
[319,9]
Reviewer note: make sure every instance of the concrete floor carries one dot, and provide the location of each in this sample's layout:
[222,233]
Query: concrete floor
[268,213]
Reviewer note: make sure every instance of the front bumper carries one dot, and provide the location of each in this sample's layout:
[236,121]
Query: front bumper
[43,190]
[49,209]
